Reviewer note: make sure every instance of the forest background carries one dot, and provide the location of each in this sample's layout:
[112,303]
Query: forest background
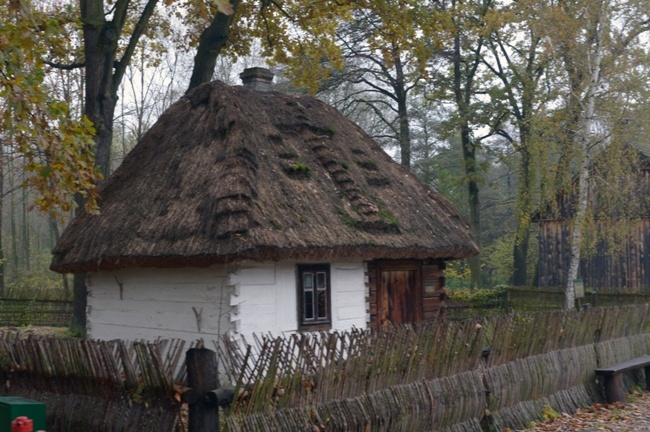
[500,105]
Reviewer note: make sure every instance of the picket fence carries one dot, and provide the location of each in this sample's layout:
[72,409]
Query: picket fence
[435,376]
[496,372]
[95,385]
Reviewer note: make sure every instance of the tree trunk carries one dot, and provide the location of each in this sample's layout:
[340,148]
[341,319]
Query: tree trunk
[14,259]
[584,139]
[402,114]
[100,47]
[522,95]
[100,44]
[576,238]
[104,75]
[25,230]
[212,41]
[103,78]
[404,137]
[522,236]
[54,239]
[2,200]
[572,122]
[525,188]
[463,94]
[474,211]
[520,260]
[471,174]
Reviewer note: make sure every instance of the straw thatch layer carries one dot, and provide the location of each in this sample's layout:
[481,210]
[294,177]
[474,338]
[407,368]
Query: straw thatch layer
[228,173]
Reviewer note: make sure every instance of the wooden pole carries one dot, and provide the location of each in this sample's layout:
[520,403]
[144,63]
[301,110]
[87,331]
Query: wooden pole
[202,376]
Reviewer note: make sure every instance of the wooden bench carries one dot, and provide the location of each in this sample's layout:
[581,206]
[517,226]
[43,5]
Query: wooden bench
[614,377]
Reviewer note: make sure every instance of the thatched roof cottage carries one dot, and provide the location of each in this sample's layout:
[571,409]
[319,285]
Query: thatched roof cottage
[247,211]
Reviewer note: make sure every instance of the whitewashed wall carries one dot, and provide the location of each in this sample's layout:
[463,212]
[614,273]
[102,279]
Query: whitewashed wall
[265,298]
[132,304]
[191,303]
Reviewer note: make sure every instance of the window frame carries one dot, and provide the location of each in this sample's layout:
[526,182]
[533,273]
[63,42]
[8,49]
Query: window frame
[315,323]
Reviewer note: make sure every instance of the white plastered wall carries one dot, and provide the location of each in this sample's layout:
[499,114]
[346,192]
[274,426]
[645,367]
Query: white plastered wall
[265,298]
[136,303]
[201,303]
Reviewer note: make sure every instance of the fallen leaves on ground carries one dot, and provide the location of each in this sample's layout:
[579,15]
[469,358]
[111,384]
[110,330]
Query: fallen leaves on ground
[632,416]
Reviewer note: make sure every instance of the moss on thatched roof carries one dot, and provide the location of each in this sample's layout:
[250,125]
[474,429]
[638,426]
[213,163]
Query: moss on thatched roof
[228,173]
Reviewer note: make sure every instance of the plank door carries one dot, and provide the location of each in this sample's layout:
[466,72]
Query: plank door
[399,294]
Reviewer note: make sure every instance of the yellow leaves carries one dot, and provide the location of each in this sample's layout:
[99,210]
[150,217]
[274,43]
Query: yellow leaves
[549,413]
[68,166]
[494,20]
[304,37]
[56,150]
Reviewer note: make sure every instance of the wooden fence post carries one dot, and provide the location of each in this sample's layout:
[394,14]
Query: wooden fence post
[202,375]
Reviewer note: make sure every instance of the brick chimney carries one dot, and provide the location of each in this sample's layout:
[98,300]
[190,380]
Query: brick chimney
[257,78]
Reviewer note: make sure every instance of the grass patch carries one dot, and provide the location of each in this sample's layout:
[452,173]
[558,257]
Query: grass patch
[480,297]
[42,285]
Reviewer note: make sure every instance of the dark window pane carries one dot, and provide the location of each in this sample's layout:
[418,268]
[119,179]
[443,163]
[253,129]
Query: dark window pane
[309,305]
[322,304]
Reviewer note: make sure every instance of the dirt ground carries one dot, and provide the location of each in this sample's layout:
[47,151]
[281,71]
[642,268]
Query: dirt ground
[633,416]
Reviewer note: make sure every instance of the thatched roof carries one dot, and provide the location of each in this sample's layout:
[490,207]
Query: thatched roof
[228,173]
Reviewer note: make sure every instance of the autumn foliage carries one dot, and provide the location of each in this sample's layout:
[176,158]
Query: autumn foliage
[57,149]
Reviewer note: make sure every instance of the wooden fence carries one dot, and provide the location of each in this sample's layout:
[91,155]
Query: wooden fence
[548,298]
[444,375]
[19,312]
[440,376]
[93,385]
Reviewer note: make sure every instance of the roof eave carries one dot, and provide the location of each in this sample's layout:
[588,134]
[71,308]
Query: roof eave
[265,254]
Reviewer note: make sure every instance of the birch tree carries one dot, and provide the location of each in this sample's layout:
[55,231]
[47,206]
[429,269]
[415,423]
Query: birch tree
[601,44]
[584,140]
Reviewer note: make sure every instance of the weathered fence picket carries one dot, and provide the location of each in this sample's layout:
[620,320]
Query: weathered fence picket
[527,361]
[94,385]
[436,376]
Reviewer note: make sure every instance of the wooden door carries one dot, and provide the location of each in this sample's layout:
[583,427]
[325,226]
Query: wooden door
[399,296]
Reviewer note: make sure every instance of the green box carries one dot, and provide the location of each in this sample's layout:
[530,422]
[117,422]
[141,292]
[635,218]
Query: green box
[13,406]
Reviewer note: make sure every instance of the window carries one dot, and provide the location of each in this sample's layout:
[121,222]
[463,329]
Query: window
[314,296]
